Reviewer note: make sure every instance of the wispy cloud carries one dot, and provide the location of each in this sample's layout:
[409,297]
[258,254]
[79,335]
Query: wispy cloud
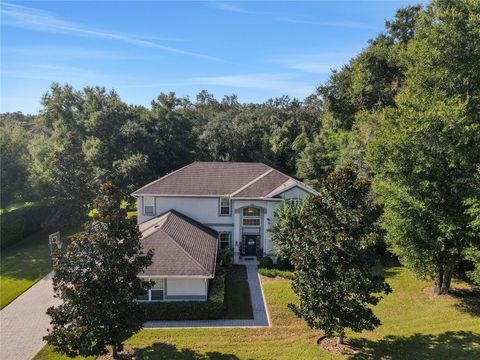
[228,6]
[40,20]
[340,24]
[280,82]
[53,73]
[316,63]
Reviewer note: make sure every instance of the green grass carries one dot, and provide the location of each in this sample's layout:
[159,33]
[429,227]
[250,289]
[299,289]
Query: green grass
[237,298]
[22,265]
[413,327]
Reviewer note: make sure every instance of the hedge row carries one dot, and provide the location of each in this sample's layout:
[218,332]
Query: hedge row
[211,309]
[19,223]
[276,272]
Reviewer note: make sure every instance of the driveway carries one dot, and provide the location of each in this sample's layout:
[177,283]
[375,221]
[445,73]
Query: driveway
[260,313]
[24,322]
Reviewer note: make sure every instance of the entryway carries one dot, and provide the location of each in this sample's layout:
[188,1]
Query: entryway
[250,245]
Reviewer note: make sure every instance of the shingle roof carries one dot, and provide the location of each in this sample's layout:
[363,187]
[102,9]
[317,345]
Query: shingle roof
[218,179]
[182,246]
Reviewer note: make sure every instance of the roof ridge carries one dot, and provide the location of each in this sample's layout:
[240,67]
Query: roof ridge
[250,183]
[178,246]
[163,177]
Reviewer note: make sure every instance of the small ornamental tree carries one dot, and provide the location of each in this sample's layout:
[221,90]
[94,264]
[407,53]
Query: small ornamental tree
[333,255]
[96,279]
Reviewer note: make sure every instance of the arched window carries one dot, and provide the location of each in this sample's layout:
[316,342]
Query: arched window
[251,216]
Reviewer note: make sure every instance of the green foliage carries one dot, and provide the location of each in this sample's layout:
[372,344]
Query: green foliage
[286,223]
[72,182]
[13,169]
[224,257]
[18,224]
[211,309]
[96,279]
[333,255]
[265,262]
[276,273]
[425,174]
[283,264]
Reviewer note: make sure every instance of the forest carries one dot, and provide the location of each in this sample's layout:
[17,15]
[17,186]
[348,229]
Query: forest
[404,113]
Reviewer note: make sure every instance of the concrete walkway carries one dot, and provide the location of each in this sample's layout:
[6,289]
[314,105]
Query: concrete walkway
[260,313]
[23,322]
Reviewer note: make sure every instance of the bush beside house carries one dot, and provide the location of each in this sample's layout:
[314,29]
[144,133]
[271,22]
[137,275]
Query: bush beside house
[211,309]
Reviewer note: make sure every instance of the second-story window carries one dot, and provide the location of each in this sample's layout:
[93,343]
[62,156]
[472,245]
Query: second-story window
[149,205]
[225,206]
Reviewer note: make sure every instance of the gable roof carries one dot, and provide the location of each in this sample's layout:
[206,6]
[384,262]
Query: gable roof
[234,179]
[182,246]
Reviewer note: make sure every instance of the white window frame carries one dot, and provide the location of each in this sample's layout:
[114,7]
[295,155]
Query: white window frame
[149,292]
[251,217]
[229,233]
[220,206]
[154,205]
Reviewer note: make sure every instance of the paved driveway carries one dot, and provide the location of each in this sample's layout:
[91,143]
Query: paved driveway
[24,322]
[260,313]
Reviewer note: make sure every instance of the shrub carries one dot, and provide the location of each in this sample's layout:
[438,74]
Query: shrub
[224,257]
[276,272]
[266,262]
[132,215]
[283,264]
[211,309]
[19,223]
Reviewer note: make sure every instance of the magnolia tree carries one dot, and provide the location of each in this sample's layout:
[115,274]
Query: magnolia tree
[332,250]
[96,279]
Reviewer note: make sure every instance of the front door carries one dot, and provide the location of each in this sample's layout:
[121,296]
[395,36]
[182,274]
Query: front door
[251,245]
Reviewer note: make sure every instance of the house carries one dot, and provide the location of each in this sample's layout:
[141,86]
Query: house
[187,215]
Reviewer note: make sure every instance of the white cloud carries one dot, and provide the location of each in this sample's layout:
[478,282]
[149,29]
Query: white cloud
[40,20]
[228,6]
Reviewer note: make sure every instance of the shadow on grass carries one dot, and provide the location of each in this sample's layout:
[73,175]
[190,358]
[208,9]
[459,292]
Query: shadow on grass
[449,345]
[469,301]
[160,351]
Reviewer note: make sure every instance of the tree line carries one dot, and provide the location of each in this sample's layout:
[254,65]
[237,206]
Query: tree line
[404,112]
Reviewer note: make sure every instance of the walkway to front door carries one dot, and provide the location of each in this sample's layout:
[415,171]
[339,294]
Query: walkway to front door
[260,313]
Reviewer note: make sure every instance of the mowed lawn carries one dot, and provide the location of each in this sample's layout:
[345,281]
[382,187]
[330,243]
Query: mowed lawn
[414,327]
[23,264]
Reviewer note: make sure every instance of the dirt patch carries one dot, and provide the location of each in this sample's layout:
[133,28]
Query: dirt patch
[455,292]
[330,344]
[126,354]
[237,273]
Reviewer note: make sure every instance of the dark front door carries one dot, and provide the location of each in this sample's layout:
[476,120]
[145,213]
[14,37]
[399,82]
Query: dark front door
[251,245]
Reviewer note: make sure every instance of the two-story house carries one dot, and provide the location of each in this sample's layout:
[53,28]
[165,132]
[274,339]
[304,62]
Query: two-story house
[187,215]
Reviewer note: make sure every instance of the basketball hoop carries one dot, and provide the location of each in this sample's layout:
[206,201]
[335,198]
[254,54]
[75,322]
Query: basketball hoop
[54,239]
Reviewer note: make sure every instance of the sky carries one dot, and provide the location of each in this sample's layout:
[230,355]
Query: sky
[256,50]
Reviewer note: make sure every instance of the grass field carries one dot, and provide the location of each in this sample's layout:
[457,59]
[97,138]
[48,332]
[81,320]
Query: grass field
[22,265]
[238,301]
[413,327]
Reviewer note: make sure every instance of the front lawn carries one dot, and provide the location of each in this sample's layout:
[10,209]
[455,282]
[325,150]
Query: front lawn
[23,264]
[414,327]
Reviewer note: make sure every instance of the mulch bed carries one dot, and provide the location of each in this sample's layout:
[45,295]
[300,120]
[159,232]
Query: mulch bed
[237,273]
[330,344]
[268,278]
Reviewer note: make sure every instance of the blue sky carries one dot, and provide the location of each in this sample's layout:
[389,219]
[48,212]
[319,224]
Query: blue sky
[256,50]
